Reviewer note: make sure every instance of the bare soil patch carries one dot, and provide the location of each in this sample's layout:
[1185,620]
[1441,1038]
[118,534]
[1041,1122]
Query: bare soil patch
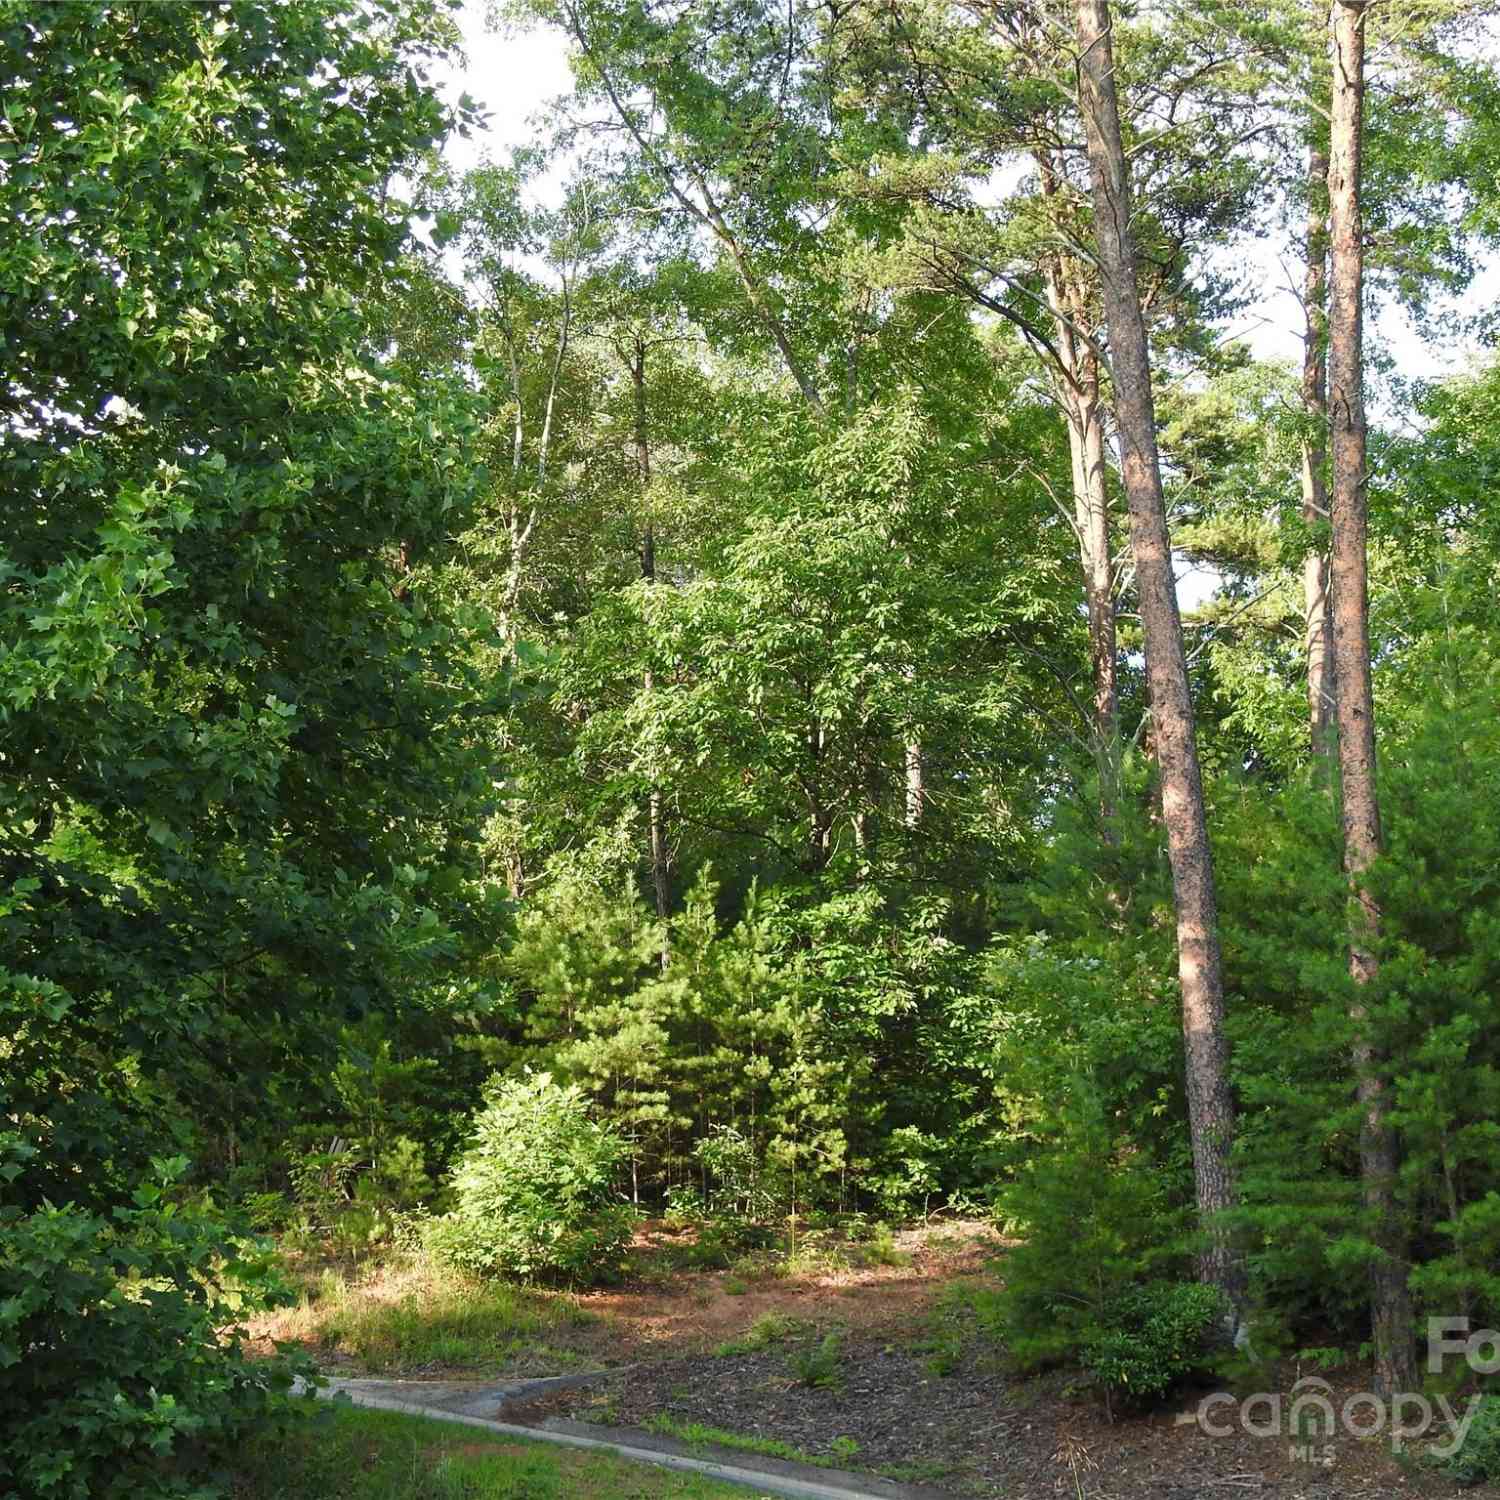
[692,1312]
[920,1393]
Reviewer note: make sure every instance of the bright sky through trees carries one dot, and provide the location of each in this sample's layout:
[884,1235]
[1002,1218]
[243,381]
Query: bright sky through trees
[512,76]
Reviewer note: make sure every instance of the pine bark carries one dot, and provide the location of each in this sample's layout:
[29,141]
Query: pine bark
[1317,618]
[1083,412]
[1093,524]
[1391,1314]
[1211,1114]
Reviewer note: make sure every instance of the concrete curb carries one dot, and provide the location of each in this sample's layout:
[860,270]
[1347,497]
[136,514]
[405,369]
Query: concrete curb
[449,1402]
[845,1482]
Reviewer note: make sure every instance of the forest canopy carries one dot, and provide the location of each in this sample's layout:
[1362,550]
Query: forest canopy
[646,675]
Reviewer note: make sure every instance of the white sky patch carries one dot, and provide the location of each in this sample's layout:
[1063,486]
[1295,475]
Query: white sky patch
[1272,324]
[510,76]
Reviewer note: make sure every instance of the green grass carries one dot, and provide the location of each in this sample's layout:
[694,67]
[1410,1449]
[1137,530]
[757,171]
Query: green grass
[752,1252]
[918,1473]
[768,1329]
[966,1317]
[345,1453]
[416,1315]
[880,1249]
[841,1450]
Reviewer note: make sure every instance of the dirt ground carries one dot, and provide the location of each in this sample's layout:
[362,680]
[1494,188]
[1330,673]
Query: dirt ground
[974,1428]
[970,1431]
[918,1391]
[692,1312]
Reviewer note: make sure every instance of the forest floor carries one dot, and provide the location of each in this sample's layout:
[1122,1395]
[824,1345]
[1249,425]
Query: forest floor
[873,1358]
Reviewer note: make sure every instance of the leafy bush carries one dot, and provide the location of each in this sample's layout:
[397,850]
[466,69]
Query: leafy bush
[732,1213]
[322,1182]
[740,1188]
[908,1171]
[1478,1459]
[720,1244]
[1155,1337]
[265,1212]
[534,1192]
[117,1378]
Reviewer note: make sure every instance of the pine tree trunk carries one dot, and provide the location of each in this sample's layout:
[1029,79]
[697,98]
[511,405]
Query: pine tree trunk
[1317,618]
[1391,1315]
[1092,505]
[1210,1099]
[1083,411]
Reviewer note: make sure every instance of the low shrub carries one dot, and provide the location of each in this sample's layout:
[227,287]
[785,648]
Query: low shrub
[1478,1458]
[1097,1218]
[322,1183]
[1154,1338]
[534,1193]
[121,1373]
[961,1315]
[880,1249]
[821,1367]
